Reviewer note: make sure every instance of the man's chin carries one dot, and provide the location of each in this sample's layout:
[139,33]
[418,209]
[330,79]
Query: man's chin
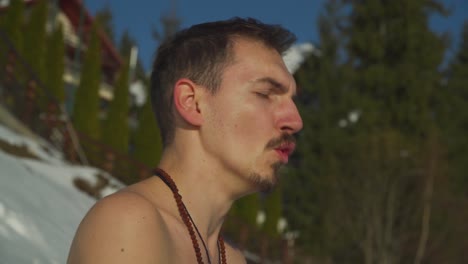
[265,183]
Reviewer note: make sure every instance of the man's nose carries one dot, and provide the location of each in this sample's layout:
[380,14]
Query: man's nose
[290,120]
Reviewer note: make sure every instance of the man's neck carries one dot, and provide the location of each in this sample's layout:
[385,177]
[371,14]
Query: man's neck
[202,189]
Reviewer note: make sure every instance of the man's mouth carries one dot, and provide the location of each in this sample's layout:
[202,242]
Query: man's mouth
[285,150]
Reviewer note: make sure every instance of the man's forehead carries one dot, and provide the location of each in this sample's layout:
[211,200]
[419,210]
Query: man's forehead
[251,61]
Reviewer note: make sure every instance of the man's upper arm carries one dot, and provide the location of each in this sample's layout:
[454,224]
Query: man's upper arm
[123,228]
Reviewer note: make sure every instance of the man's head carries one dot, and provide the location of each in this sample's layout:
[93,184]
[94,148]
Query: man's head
[200,54]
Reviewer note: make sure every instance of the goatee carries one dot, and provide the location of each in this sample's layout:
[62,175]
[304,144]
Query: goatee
[265,183]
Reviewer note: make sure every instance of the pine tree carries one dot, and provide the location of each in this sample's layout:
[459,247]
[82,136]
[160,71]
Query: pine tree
[245,212]
[55,59]
[14,22]
[104,18]
[147,140]
[116,128]
[126,43]
[35,38]
[396,56]
[454,116]
[273,211]
[247,209]
[395,59]
[86,105]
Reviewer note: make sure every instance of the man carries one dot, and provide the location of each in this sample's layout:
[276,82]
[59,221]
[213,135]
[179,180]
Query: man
[223,100]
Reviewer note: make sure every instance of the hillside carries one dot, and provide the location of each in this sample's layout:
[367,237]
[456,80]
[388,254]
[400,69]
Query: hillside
[40,208]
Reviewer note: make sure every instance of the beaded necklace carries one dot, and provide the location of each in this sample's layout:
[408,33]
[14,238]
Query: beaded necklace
[188,221]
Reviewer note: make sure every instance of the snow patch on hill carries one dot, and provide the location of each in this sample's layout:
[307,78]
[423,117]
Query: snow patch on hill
[40,208]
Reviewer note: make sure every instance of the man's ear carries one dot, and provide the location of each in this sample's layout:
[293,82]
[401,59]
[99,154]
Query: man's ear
[186,101]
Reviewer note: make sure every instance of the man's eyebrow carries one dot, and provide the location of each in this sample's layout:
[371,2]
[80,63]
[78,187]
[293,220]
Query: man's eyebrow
[280,88]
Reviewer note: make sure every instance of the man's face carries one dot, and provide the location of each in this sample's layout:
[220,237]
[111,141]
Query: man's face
[251,118]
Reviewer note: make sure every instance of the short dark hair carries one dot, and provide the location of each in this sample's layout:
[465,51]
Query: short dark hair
[201,53]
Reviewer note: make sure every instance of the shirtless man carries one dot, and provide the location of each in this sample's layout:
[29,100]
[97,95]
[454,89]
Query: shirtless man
[222,96]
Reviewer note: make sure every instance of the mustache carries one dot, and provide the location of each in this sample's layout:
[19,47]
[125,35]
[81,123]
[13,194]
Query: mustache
[283,139]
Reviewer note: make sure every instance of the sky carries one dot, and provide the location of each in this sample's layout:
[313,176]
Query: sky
[299,16]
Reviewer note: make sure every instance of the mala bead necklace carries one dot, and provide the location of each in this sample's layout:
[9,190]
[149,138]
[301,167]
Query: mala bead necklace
[188,221]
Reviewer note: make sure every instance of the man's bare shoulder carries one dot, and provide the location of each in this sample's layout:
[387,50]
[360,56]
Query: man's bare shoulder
[122,228]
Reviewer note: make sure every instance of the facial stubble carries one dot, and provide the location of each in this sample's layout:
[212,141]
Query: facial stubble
[266,183]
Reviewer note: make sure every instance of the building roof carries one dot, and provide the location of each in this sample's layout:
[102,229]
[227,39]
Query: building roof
[72,9]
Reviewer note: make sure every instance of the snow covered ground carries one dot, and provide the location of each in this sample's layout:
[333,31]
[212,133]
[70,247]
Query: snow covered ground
[40,208]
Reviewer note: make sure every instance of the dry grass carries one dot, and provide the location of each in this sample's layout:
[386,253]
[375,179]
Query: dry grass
[17,150]
[93,190]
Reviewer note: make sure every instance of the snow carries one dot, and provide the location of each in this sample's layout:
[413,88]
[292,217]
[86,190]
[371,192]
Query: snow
[295,56]
[137,90]
[40,208]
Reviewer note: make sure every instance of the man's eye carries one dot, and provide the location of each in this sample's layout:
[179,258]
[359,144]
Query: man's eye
[262,95]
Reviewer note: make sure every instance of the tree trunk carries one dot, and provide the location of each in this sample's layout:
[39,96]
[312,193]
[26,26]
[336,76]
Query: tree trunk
[427,199]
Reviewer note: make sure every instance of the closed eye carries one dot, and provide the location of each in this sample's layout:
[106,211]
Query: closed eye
[262,95]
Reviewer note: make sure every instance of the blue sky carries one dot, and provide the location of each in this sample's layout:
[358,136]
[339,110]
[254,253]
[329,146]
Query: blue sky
[300,16]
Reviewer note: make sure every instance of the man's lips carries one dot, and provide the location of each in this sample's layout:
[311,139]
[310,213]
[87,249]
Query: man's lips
[285,150]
